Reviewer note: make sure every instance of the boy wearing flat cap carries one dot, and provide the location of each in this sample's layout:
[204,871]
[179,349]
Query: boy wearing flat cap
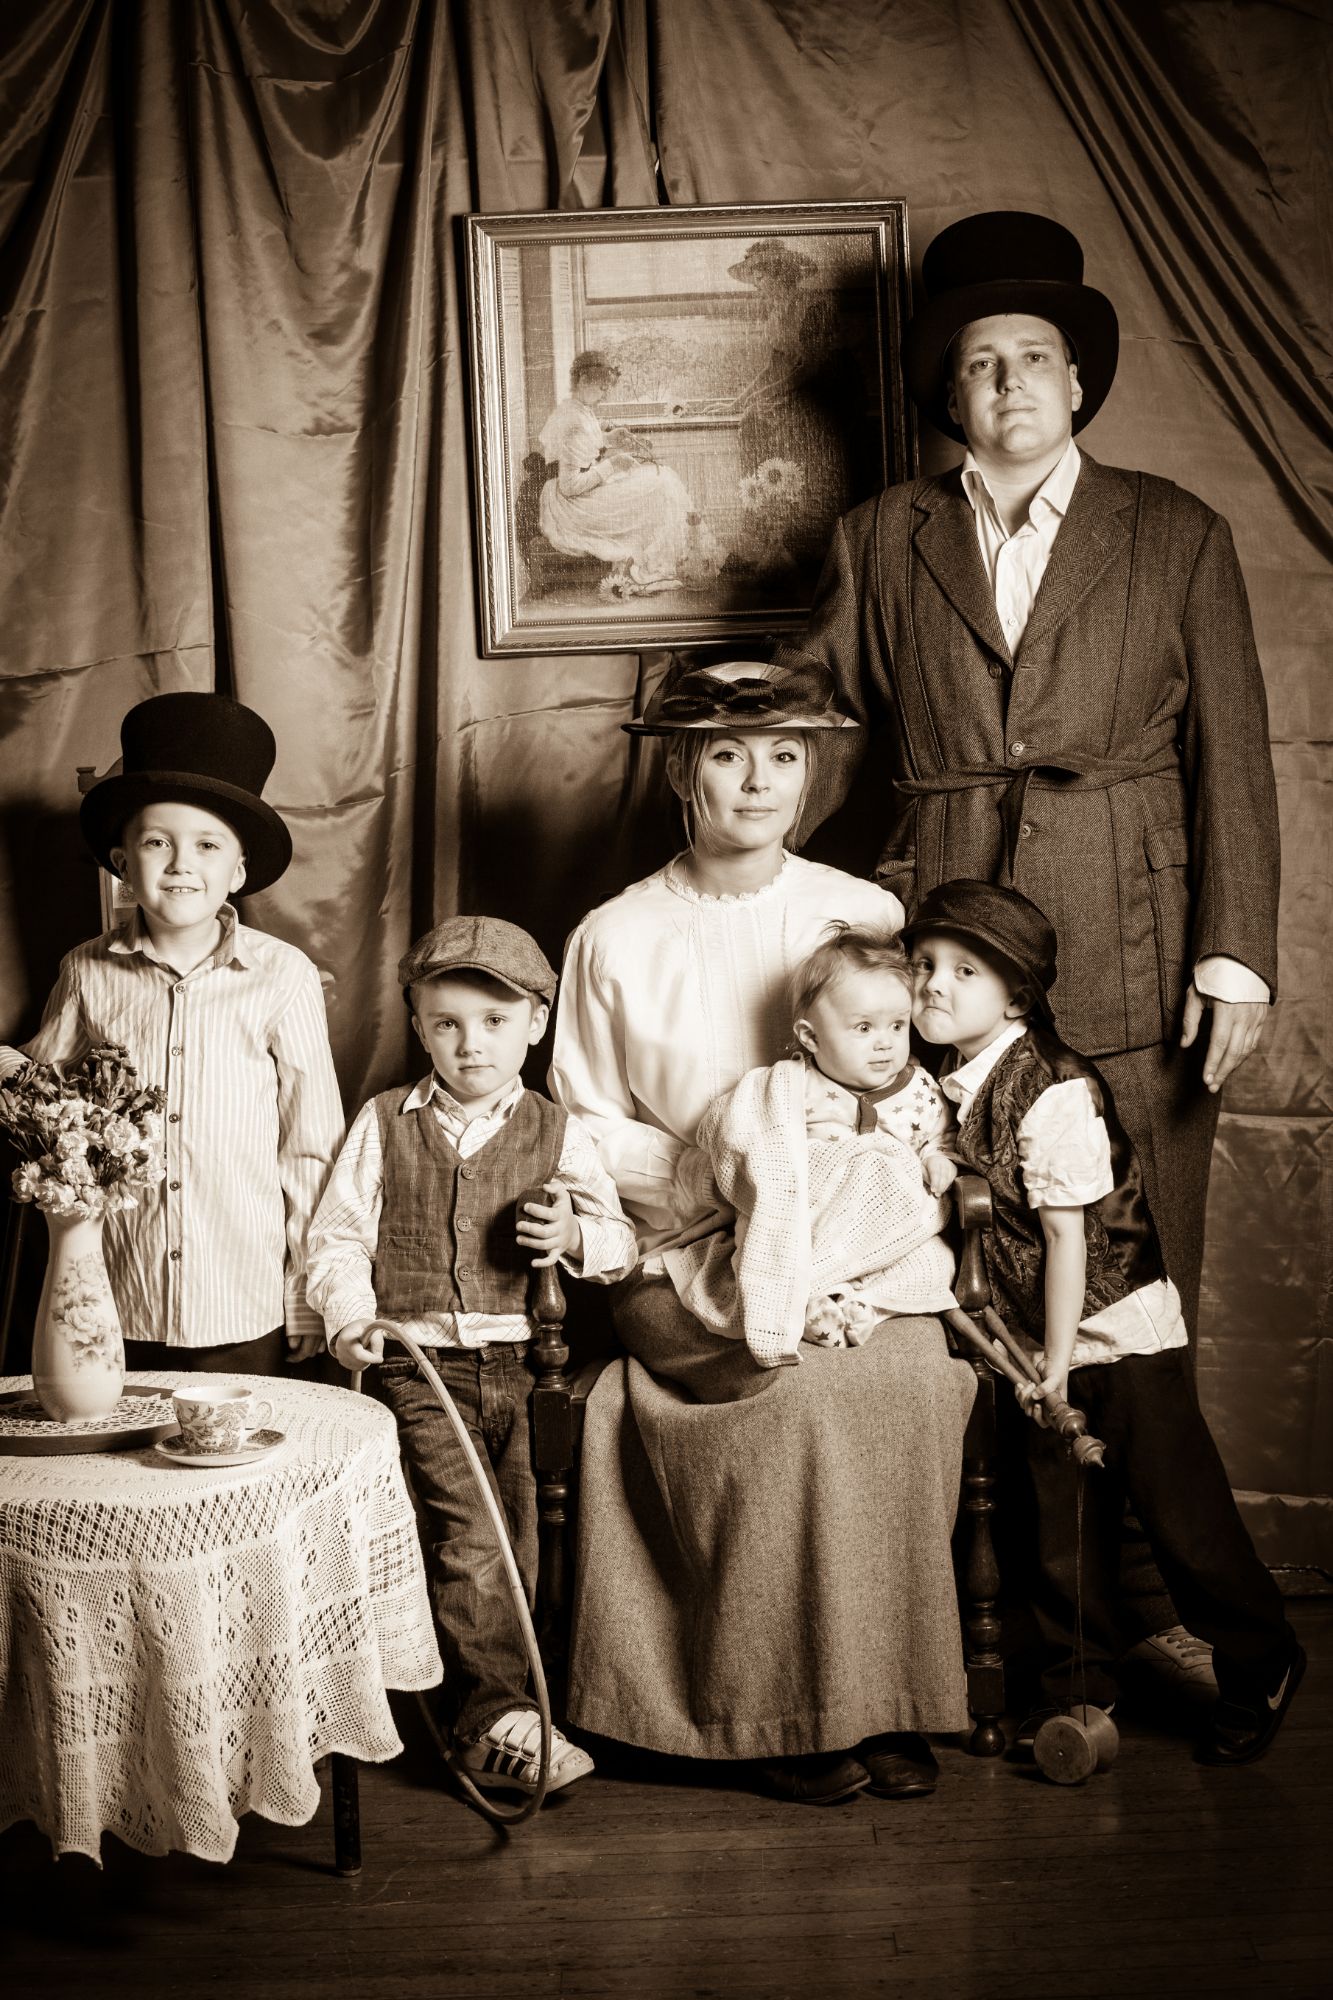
[1076,1267]
[208,1269]
[417,1225]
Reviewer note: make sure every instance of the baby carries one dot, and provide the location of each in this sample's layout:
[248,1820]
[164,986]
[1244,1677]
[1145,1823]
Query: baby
[834,1162]
[851,1002]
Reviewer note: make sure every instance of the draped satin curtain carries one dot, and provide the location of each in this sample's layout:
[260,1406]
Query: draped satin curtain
[235,419]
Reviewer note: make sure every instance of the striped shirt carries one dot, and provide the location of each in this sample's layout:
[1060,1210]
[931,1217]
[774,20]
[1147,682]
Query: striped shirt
[215,1253]
[345,1232]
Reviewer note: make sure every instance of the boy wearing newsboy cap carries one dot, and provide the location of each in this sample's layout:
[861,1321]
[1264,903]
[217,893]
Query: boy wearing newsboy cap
[417,1225]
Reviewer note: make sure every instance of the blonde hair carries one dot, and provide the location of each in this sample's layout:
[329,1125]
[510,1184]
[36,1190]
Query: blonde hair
[685,753]
[847,948]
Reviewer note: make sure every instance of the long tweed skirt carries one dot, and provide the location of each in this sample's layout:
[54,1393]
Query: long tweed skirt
[763,1560]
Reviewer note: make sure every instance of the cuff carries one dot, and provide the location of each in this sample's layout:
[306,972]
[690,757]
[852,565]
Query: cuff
[1222,978]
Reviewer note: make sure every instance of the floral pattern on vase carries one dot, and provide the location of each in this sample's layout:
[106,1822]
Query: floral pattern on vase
[78,1356]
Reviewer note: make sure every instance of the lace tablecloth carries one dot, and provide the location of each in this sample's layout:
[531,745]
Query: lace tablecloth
[179,1646]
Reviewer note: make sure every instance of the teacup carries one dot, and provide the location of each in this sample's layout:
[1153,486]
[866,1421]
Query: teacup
[219,1416]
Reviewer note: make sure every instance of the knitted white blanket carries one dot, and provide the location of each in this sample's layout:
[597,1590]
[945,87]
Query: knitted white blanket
[810,1216]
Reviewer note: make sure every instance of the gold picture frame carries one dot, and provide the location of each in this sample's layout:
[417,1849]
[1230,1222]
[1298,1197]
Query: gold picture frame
[749,391]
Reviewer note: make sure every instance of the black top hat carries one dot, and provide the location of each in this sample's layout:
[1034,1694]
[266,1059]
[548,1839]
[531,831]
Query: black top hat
[203,750]
[1003,923]
[1007,261]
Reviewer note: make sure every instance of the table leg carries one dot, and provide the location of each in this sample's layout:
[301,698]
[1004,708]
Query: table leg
[346,1815]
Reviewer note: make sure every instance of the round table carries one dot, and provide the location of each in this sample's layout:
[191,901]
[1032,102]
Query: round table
[179,1646]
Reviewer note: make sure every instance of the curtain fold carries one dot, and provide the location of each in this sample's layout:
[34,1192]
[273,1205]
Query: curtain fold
[237,454]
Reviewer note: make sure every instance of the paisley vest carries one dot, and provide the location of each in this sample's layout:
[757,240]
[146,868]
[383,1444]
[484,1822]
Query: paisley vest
[1124,1254]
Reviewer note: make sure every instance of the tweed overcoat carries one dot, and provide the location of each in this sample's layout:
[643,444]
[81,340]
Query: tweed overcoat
[1116,769]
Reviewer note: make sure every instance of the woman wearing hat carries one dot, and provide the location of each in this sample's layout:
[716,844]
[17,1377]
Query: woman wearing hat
[603,500]
[764,1564]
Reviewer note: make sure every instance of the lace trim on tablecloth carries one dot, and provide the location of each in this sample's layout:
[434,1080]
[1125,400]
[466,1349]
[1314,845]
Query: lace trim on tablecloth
[185,1655]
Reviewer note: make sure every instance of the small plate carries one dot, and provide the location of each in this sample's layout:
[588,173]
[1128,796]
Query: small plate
[260,1445]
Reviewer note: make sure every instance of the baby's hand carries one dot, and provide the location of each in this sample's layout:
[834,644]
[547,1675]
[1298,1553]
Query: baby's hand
[940,1173]
[356,1349]
[553,1230]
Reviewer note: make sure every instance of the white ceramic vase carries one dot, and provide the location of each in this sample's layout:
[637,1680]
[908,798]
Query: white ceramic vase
[78,1355]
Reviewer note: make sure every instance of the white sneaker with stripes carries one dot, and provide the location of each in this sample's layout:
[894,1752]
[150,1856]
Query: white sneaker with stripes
[1177,1660]
[508,1756]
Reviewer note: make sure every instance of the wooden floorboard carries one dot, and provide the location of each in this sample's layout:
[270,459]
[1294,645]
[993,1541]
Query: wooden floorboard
[659,1881]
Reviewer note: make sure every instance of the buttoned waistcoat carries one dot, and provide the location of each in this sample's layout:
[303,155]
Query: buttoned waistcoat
[447,1239]
[1116,768]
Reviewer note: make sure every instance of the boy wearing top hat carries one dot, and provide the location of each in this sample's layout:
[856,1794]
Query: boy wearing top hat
[208,1269]
[417,1224]
[1076,1268]
[1055,662]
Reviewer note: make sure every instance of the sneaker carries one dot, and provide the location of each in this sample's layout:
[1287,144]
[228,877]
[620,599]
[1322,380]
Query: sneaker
[1242,1731]
[1178,1662]
[509,1756]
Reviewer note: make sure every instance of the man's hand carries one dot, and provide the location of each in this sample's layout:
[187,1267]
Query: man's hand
[356,1349]
[553,1230]
[1235,1032]
[304,1347]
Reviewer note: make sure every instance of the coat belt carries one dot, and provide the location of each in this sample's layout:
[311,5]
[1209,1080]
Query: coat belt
[1071,772]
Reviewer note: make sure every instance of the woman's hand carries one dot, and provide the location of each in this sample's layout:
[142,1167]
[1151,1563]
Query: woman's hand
[553,1230]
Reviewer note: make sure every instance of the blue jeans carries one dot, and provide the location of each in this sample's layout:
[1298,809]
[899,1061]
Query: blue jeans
[485,1660]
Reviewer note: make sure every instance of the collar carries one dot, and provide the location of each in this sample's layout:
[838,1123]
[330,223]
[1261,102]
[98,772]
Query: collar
[430,1089]
[962,1084]
[132,938]
[866,1100]
[1052,496]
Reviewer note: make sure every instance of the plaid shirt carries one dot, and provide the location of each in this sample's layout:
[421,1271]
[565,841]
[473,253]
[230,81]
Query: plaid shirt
[215,1253]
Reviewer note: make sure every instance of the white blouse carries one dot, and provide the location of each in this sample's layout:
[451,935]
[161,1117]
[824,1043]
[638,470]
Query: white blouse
[667,998]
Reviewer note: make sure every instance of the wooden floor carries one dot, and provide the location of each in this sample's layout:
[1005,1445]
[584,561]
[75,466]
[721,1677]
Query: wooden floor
[1157,1878]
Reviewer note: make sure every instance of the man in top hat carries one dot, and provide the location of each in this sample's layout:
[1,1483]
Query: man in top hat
[208,1269]
[1056,665]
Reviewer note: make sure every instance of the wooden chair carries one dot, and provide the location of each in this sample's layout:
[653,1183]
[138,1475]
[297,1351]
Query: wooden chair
[559,1400]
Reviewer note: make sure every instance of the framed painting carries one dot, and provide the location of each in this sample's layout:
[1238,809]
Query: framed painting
[671,408]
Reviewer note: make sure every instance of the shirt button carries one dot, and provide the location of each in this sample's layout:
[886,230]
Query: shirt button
[173,1118]
[175,1187]
[468,1173]
[1017,749]
[175,1256]
[179,987]
[178,1050]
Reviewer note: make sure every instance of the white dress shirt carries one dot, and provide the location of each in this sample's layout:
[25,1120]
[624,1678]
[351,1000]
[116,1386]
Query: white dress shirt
[1015,565]
[345,1232]
[1064,1152]
[215,1253]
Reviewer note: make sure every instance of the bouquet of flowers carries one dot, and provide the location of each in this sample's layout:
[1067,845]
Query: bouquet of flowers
[90,1135]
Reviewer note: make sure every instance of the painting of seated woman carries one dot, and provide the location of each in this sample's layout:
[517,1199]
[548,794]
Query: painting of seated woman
[672,409]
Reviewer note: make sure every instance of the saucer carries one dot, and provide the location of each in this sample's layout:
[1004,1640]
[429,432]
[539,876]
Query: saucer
[260,1445]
